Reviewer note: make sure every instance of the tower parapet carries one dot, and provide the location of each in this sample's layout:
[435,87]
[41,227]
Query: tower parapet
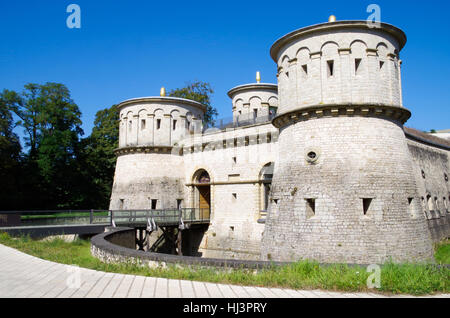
[337,65]
[254,100]
[157,121]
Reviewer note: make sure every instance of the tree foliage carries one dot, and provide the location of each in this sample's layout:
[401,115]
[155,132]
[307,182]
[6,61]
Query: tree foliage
[9,159]
[99,154]
[51,121]
[200,92]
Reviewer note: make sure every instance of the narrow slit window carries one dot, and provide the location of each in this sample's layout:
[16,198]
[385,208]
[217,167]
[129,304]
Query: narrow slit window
[179,204]
[174,125]
[142,124]
[310,208]
[410,206]
[366,205]
[381,65]
[234,159]
[130,125]
[305,69]
[154,204]
[357,65]
[330,68]
[234,195]
[158,123]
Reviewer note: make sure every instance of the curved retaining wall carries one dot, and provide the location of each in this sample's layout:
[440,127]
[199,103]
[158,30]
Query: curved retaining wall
[117,246]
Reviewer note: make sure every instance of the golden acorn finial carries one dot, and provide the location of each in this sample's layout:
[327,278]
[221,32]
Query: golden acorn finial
[258,77]
[332,18]
[163,91]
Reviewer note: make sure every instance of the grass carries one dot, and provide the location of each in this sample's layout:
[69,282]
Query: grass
[414,279]
[442,252]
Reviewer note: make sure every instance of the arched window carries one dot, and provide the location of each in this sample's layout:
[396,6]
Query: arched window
[429,203]
[203,177]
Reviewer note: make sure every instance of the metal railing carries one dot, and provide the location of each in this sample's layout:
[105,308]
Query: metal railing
[240,121]
[161,217]
[53,218]
[15,219]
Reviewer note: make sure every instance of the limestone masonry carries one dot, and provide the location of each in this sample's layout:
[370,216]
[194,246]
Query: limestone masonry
[317,167]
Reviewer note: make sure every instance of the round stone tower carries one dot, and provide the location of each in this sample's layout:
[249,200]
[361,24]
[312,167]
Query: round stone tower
[343,187]
[149,173]
[255,100]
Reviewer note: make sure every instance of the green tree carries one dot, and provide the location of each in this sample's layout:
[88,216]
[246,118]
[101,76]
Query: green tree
[9,159]
[52,125]
[200,92]
[99,155]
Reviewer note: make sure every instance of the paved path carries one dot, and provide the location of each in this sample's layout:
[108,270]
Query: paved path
[22,275]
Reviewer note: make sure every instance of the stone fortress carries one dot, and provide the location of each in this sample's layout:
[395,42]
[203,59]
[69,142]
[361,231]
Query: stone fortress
[317,167]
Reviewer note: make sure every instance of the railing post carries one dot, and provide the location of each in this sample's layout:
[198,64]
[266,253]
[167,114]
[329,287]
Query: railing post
[91,216]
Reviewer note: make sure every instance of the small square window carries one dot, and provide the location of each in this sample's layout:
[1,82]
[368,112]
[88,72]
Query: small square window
[366,205]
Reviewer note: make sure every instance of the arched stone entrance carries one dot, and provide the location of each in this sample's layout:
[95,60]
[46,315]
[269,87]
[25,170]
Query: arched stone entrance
[202,193]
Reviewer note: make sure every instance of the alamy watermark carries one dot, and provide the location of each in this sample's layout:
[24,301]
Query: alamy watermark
[374,19]
[374,279]
[74,19]
[73,281]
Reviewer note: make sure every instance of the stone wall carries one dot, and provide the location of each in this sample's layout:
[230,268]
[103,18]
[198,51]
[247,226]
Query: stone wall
[359,161]
[236,190]
[431,170]
[142,177]
[124,237]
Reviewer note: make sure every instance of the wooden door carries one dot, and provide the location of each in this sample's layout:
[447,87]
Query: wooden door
[205,200]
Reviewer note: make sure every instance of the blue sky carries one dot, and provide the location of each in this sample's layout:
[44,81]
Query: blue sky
[128,49]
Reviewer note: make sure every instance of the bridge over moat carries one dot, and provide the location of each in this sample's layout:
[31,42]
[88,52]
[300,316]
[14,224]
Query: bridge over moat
[171,222]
